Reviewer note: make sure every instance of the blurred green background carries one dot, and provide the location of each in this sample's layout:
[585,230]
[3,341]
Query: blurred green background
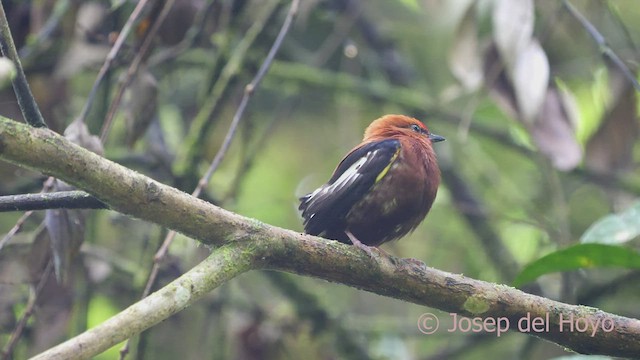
[541,145]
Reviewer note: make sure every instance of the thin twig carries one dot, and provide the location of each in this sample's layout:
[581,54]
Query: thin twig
[250,154]
[194,32]
[339,33]
[47,30]
[28,311]
[222,81]
[124,33]
[55,200]
[614,11]
[133,68]
[604,48]
[248,92]
[14,230]
[27,103]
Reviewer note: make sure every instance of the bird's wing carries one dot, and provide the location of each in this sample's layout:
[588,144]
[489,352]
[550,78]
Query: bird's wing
[327,206]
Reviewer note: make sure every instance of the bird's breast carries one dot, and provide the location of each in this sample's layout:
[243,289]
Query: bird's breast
[394,206]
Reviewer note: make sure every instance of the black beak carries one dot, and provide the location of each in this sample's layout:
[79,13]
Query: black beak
[436,138]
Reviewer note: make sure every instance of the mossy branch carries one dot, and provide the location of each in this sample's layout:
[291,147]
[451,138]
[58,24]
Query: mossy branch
[243,244]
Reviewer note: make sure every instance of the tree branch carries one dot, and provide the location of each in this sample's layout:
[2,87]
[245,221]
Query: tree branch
[280,249]
[55,200]
[605,49]
[249,244]
[186,161]
[111,56]
[28,106]
[222,265]
[141,54]
[7,351]
[217,160]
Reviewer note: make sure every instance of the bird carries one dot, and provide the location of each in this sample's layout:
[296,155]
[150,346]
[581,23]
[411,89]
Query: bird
[381,190]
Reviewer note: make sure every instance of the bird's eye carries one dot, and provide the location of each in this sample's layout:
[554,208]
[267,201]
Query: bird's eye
[416,128]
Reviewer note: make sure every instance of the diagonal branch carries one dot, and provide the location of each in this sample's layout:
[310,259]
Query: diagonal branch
[141,54]
[28,105]
[223,265]
[233,127]
[605,49]
[111,56]
[244,244]
[217,160]
[186,158]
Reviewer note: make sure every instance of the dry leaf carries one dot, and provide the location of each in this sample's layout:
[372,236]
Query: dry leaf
[464,57]
[512,28]
[66,227]
[78,133]
[141,106]
[530,79]
[553,131]
[66,234]
[610,149]
[500,88]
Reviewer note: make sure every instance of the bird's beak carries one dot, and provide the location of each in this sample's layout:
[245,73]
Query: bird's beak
[436,138]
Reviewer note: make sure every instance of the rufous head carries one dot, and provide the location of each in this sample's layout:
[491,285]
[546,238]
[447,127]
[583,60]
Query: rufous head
[391,126]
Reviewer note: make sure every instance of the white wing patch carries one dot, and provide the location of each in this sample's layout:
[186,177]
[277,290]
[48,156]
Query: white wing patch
[348,177]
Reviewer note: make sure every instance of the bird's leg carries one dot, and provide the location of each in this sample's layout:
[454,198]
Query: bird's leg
[359,244]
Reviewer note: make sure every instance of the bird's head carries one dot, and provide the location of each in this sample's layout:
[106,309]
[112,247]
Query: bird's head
[390,126]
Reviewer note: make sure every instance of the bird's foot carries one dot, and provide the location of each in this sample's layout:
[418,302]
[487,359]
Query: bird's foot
[357,243]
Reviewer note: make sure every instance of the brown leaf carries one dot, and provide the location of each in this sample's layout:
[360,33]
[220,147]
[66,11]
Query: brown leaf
[61,234]
[464,57]
[512,28]
[78,133]
[179,20]
[66,227]
[54,312]
[39,253]
[553,131]
[66,234]
[530,79]
[500,88]
[141,106]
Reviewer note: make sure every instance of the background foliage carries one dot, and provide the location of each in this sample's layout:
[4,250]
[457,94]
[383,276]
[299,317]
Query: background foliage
[540,162]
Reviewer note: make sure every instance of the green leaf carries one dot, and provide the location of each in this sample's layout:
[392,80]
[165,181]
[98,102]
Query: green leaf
[579,257]
[614,228]
[592,99]
[411,4]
